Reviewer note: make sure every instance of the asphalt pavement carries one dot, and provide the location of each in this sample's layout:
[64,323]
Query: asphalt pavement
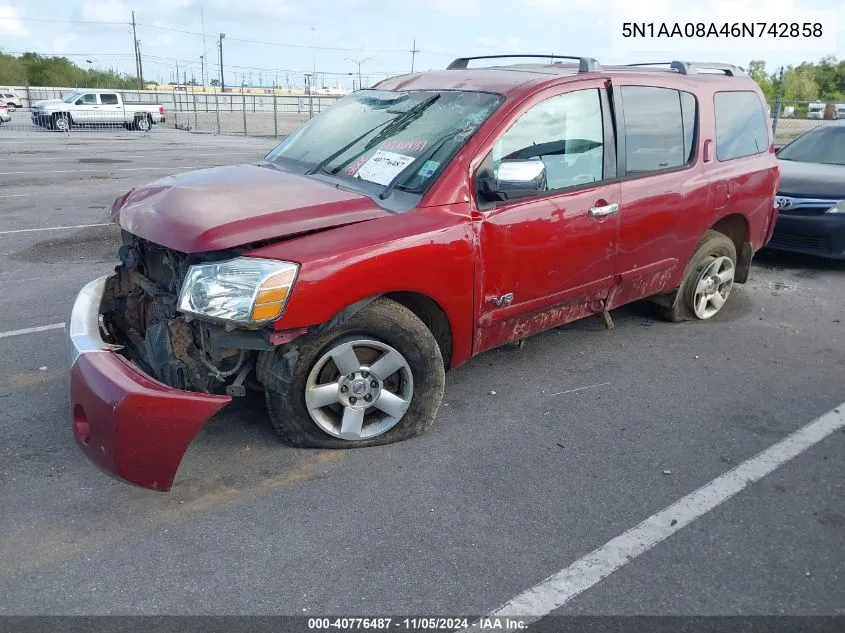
[589,432]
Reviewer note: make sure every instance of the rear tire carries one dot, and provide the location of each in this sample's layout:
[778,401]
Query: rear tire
[708,282]
[143,123]
[395,364]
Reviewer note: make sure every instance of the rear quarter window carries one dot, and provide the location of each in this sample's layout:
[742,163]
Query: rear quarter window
[741,128]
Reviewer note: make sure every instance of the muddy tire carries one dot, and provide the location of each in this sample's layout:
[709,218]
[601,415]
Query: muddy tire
[708,282]
[376,379]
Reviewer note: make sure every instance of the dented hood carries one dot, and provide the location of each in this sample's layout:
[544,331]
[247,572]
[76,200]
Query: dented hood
[224,207]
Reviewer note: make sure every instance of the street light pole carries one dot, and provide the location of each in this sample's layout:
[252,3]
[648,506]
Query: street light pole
[220,45]
[313,55]
[359,62]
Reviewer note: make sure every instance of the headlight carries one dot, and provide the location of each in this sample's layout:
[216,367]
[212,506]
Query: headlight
[839,208]
[245,290]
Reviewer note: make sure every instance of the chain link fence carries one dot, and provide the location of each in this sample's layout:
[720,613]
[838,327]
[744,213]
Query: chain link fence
[246,114]
[793,118]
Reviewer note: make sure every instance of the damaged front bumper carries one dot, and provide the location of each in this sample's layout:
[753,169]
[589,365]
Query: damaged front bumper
[129,424]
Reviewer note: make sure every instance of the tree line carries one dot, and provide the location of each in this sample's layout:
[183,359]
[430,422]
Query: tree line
[809,81]
[32,69]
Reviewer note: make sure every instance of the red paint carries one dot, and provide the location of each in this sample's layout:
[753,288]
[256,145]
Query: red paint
[132,426]
[223,207]
[558,261]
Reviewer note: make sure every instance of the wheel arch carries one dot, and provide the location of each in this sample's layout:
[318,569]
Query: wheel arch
[735,226]
[433,317]
[426,309]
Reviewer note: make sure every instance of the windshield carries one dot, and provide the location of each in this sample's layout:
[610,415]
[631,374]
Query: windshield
[401,140]
[822,145]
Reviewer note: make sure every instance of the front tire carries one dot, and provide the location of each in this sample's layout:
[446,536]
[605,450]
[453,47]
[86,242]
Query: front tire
[376,379]
[708,282]
[61,123]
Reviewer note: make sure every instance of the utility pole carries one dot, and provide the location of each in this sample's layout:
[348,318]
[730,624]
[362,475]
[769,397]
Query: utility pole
[202,70]
[137,55]
[220,45]
[359,62]
[314,53]
[140,64]
[778,93]
[414,52]
[177,70]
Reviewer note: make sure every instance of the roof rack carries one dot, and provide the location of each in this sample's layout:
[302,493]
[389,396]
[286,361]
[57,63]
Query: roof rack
[692,68]
[585,64]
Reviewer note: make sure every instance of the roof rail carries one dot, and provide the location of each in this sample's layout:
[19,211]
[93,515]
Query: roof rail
[691,68]
[585,64]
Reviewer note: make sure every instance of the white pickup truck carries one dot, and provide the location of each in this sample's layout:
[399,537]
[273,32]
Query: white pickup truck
[96,108]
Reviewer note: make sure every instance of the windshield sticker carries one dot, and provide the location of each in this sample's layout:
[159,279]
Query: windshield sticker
[400,145]
[428,168]
[384,166]
[353,167]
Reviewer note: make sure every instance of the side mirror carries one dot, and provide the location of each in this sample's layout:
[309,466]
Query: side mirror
[515,179]
[79,102]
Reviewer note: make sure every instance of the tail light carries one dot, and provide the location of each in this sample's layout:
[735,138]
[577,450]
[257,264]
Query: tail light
[161,109]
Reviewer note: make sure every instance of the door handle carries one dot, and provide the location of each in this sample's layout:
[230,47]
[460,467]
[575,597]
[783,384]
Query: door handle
[608,209]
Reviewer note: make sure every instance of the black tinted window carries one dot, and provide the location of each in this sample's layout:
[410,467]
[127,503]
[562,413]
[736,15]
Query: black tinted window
[822,145]
[108,99]
[689,112]
[740,125]
[659,132]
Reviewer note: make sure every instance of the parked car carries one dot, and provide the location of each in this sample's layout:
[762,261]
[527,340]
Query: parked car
[403,231]
[811,197]
[5,117]
[106,108]
[10,98]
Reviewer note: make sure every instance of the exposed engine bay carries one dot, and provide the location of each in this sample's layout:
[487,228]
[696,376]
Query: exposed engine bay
[139,313]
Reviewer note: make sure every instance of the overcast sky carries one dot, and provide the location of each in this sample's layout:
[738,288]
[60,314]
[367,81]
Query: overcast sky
[281,35]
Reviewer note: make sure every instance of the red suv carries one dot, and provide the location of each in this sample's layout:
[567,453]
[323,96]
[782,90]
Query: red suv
[406,229]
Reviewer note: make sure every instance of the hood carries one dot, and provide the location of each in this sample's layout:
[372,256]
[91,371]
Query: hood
[42,102]
[811,180]
[224,207]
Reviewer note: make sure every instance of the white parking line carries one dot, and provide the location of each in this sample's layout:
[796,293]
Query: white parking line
[558,589]
[99,171]
[177,154]
[55,228]
[32,330]
[601,384]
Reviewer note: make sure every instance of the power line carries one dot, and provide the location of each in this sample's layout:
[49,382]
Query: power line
[239,39]
[75,21]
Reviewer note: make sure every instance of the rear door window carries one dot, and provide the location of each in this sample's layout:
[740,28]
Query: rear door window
[660,126]
[741,128]
[108,99]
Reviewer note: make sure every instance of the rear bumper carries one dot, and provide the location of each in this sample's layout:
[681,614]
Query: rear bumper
[819,235]
[130,425]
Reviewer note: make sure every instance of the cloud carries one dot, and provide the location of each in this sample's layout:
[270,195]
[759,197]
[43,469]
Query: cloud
[106,11]
[11,23]
[63,41]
